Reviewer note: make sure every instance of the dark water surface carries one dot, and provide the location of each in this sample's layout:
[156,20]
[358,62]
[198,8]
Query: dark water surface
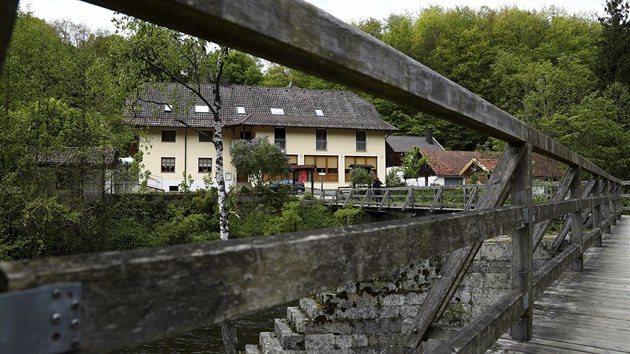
[208,339]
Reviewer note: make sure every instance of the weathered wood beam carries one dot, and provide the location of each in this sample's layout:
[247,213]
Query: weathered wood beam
[557,242]
[597,210]
[436,199]
[479,335]
[471,199]
[438,297]
[522,265]
[561,192]
[201,284]
[8,14]
[577,223]
[299,35]
[590,237]
[542,212]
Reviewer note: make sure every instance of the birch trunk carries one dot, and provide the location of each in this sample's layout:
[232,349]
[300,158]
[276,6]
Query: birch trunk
[224,229]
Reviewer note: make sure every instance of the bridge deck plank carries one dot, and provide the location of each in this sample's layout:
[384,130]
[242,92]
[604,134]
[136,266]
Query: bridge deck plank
[585,311]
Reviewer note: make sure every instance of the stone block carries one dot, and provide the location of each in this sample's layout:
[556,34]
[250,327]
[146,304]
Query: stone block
[288,339]
[268,342]
[389,311]
[252,349]
[319,341]
[393,300]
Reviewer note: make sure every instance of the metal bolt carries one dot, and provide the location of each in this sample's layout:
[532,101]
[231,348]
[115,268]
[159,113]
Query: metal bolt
[415,330]
[75,304]
[56,317]
[75,342]
[56,293]
[74,323]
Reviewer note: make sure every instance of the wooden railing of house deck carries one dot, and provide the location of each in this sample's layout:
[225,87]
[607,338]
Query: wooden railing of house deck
[120,299]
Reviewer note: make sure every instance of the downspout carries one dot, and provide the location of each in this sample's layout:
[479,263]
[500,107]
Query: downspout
[185,155]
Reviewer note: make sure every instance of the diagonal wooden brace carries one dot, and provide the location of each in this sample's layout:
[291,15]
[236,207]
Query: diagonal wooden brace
[439,296]
[559,195]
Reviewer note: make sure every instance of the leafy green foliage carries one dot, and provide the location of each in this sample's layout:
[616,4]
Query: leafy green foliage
[350,216]
[259,159]
[413,162]
[360,178]
[392,179]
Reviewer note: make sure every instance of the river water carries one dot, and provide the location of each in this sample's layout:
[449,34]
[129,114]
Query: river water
[208,339]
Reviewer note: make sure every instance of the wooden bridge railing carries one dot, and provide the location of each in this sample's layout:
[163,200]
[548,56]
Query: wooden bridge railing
[120,299]
[405,198]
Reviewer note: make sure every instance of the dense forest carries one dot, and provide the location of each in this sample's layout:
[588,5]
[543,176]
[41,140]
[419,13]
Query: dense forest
[64,85]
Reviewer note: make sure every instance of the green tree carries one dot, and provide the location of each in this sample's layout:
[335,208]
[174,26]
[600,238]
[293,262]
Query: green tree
[360,177]
[259,159]
[413,162]
[614,48]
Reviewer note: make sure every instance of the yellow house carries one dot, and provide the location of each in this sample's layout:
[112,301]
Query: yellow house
[327,130]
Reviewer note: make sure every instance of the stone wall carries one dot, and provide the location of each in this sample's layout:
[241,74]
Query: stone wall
[370,316]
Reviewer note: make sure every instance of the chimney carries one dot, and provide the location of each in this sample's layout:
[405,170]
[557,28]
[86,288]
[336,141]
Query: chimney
[430,135]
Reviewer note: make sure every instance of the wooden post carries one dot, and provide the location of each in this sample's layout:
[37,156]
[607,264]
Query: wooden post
[619,192]
[522,245]
[610,207]
[597,211]
[576,217]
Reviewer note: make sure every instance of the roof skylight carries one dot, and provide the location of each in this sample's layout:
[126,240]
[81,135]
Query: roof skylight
[168,108]
[240,110]
[319,112]
[202,109]
[277,111]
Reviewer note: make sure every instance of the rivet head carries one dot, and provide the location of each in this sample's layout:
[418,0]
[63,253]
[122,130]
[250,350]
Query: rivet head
[55,318]
[74,323]
[75,342]
[415,330]
[56,293]
[75,304]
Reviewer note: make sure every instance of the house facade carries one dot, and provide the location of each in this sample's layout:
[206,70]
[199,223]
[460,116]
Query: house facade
[322,132]
[398,145]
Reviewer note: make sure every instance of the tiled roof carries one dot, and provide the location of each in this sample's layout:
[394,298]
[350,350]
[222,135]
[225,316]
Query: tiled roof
[489,164]
[450,163]
[404,143]
[341,109]
[74,155]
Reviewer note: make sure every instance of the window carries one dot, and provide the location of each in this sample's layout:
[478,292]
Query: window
[169,136]
[202,109]
[205,165]
[240,110]
[168,164]
[280,137]
[168,108]
[320,139]
[173,188]
[361,140]
[246,135]
[324,164]
[207,138]
[358,160]
[319,113]
[277,111]
[293,160]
